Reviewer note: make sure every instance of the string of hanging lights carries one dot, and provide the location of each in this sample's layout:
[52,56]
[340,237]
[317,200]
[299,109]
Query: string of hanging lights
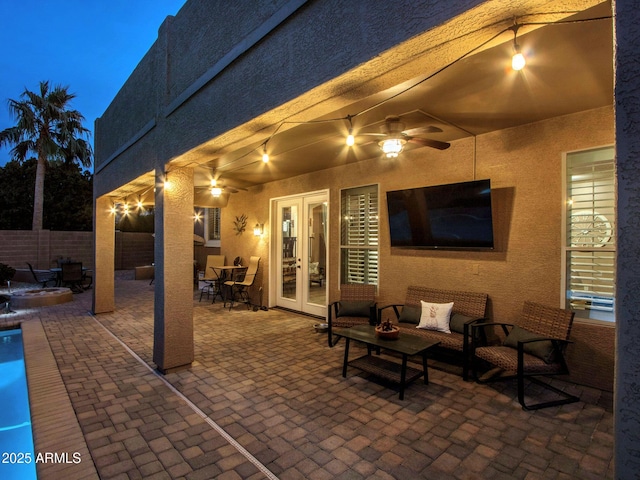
[394,143]
[393,146]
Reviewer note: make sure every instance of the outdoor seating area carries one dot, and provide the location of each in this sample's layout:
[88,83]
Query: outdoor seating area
[285,408]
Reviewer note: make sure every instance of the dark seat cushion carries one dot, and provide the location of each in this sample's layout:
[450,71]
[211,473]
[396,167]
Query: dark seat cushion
[450,341]
[410,315]
[351,308]
[456,324]
[542,349]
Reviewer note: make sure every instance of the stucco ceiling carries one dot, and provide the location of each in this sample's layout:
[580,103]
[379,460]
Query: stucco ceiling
[569,69]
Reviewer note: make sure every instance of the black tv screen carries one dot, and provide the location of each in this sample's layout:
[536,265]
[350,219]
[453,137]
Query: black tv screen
[453,216]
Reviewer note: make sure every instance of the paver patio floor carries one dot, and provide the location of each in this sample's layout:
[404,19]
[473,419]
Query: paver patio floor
[265,399]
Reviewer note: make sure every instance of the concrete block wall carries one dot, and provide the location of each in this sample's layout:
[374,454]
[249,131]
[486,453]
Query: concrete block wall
[21,246]
[42,248]
[77,246]
[133,249]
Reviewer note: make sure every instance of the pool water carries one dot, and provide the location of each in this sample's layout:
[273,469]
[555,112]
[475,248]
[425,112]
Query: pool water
[17,459]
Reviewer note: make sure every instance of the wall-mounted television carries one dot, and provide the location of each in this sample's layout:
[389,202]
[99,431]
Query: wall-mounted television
[449,217]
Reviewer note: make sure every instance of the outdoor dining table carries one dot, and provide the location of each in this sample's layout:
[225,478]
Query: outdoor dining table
[225,273]
[58,272]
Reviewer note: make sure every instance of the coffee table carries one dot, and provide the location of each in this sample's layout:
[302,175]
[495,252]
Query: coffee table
[387,369]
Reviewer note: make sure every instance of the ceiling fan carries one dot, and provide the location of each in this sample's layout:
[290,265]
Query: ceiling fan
[394,136]
[217,187]
[215,193]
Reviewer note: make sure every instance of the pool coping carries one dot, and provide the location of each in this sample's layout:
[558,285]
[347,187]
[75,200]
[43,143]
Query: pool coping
[54,423]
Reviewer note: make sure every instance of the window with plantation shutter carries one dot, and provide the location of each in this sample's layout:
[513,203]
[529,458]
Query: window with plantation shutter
[590,245]
[359,235]
[212,226]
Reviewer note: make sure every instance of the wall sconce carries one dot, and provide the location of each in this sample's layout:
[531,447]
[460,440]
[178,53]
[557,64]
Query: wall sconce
[258,230]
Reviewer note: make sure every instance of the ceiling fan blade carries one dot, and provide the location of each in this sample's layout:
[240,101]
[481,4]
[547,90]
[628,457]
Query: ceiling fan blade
[428,129]
[370,134]
[426,142]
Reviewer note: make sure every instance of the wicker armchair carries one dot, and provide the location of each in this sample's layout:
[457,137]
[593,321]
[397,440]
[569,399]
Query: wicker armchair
[534,346]
[357,306]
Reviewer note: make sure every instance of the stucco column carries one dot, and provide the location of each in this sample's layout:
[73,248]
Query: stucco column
[173,309]
[103,256]
[627,370]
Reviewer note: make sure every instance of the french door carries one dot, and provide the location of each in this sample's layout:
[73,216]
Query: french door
[300,252]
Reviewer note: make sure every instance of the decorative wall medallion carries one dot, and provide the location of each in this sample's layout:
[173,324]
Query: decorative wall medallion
[589,229]
[240,224]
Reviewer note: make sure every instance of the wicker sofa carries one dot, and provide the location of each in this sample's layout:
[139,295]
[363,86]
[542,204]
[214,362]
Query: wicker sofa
[468,308]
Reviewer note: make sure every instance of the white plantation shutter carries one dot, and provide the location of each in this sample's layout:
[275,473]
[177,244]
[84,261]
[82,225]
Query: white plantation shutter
[212,223]
[590,238]
[359,235]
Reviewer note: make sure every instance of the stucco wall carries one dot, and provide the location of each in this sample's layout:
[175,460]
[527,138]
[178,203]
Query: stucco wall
[525,168]
[627,398]
[143,128]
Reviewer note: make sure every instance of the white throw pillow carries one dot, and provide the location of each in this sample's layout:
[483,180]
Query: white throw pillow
[435,316]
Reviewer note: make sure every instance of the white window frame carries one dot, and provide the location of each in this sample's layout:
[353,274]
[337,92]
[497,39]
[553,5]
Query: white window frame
[589,241]
[360,236]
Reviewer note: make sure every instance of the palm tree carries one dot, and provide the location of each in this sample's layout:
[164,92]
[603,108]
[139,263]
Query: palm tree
[47,128]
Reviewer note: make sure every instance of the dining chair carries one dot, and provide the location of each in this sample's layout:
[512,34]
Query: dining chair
[212,277]
[43,277]
[72,276]
[240,288]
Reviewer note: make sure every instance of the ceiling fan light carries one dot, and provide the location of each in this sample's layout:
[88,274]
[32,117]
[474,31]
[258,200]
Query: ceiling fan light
[216,191]
[391,147]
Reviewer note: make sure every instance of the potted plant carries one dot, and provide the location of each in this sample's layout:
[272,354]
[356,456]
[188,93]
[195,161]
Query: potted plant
[6,273]
[387,330]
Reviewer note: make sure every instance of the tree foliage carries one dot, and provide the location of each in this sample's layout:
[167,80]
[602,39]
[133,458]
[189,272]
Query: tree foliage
[141,220]
[47,128]
[68,196]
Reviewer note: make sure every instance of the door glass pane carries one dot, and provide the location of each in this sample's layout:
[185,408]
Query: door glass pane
[317,253]
[289,251]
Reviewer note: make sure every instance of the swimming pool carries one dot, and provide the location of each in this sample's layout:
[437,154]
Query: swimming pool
[17,460]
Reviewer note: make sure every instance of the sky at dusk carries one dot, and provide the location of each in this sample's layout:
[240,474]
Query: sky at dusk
[92,46]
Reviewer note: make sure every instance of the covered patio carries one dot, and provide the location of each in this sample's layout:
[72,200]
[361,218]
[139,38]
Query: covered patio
[264,398]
